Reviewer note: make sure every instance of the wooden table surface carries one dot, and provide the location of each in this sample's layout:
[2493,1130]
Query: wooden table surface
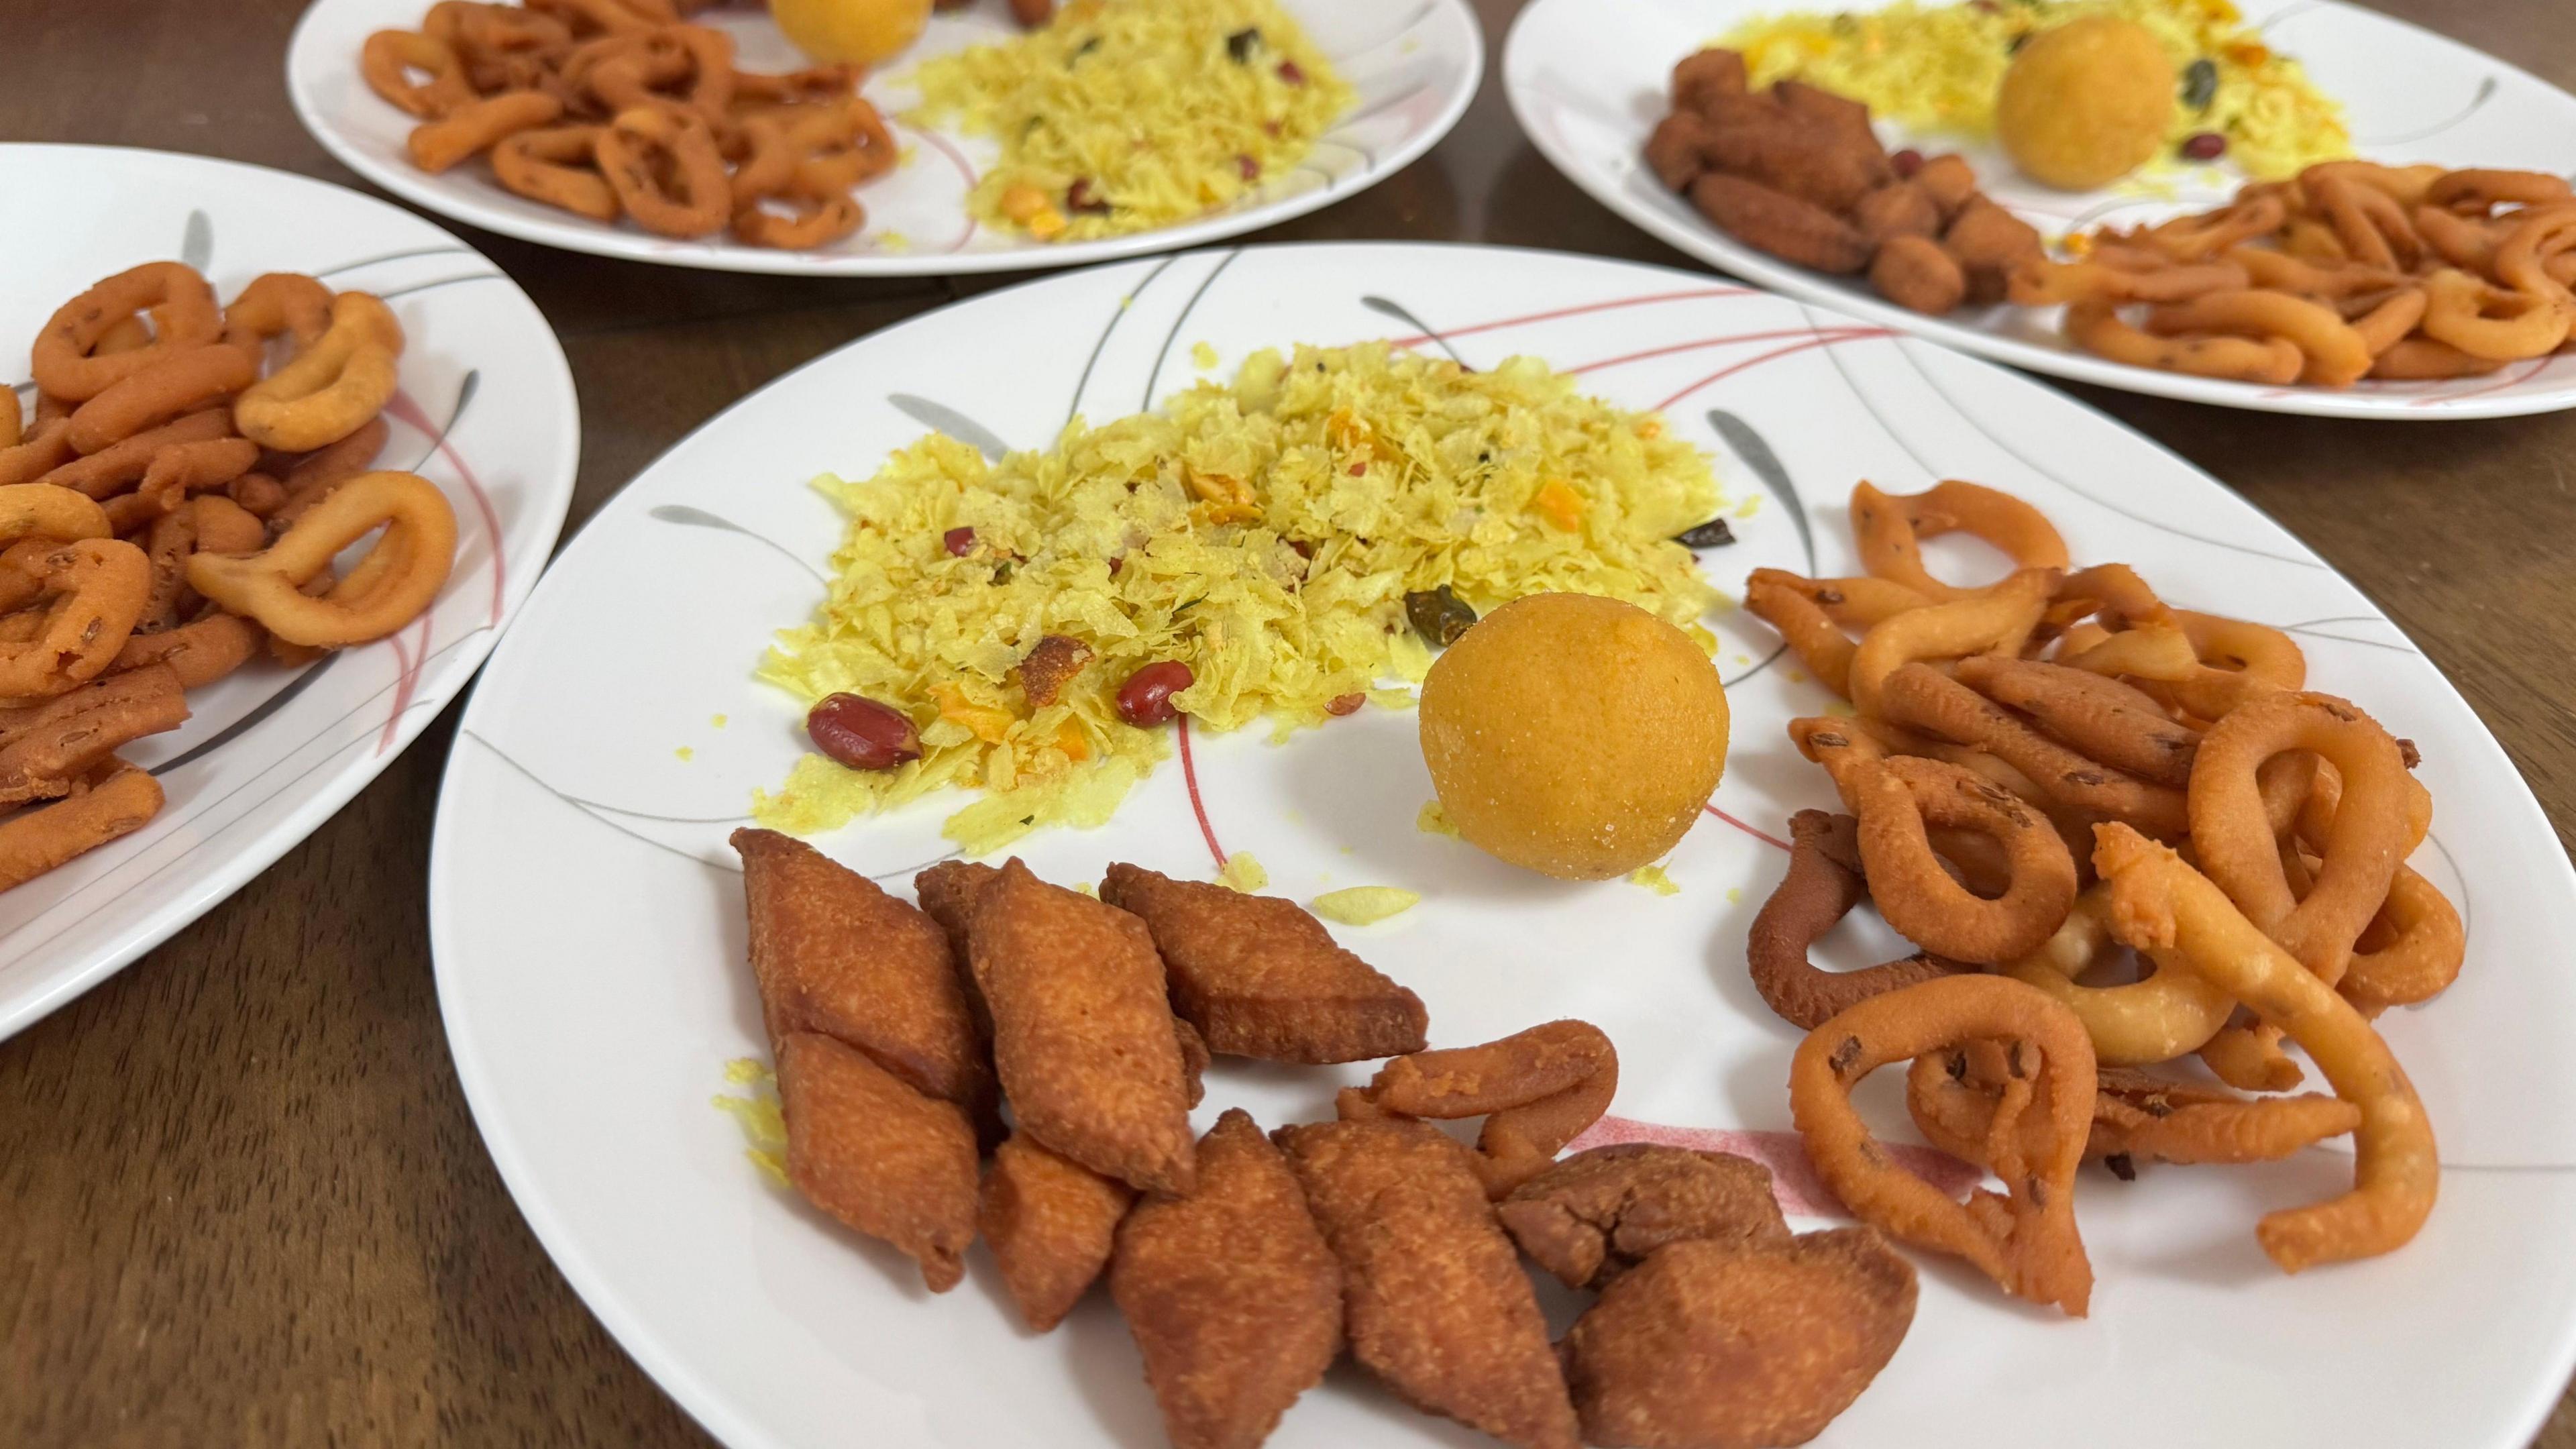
[241,1200]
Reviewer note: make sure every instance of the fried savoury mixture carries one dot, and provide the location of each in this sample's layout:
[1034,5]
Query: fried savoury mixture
[1250,550]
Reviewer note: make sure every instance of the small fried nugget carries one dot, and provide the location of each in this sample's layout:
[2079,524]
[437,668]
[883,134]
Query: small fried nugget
[1988,242]
[1050,1222]
[867,1148]
[1438,1306]
[1788,227]
[1705,75]
[1712,1346]
[1234,1299]
[1260,977]
[835,954]
[1082,1030]
[1599,1213]
[1677,150]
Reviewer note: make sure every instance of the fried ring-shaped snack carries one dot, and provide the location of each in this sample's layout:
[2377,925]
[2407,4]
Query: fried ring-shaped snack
[2233,841]
[707,68]
[112,469]
[764,164]
[1848,747]
[2335,355]
[2412,949]
[49,447]
[2464,242]
[2486,321]
[840,145]
[473,128]
[2095,326]
[554,166]
[1998,620]
[2159,902]
[1898,799]
[1857,602]
[317,473]
[99,586]
[117,801]
[2155,1019]
[2390,320]
[2368,221]
[2041,282]
[1890,528]
[47,749]
[1920,697]
[387,61]
[2135,1117]
[613,17]
[2027,1243]
[2202,235]
[277,304]
[1818,642]
[2282,272]
[2406,185]
[42,510]
[331,389]
[183,314]
[166,545]
[386,590]
[13,419]
[2107,720]
[1823,883]
[2523,255]
[179,384]
[2478,192]
[644,146]
[1536,1089]
[258,494]
[2422,359]
[794,221]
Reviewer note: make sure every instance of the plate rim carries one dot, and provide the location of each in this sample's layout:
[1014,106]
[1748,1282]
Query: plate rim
[515,1161]
[617,244]
[1798,283]
[236,869]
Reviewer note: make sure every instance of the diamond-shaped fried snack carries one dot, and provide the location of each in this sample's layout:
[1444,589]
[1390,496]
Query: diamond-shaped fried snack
[867,1148]
[1050,1222]
[1599,1213]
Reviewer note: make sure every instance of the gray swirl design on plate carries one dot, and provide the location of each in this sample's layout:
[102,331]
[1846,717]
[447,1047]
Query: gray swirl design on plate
[2486,92]
[1156,372]
[197,242]
[941,418]
[1388,307]
[690,517]
[1083,384]
[1755,450]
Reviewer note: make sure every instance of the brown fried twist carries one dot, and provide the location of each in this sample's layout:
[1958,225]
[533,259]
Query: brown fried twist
[1536,1089]
[1823,883]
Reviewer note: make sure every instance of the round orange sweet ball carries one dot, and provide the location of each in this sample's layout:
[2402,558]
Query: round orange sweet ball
[1573,735]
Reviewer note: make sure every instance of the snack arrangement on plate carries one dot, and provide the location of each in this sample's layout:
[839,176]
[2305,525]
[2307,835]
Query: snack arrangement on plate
[2343,271]
[1245,1263]
[177,496]
[2021,764]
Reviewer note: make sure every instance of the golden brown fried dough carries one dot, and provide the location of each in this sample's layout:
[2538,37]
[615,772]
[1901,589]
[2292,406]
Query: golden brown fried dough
[867,1148]
[1194,1059]
[1703,76]
[1438,1306]
[1234,1299]
[1050,1222]
[1599,1213]
[47,749]
[1536,1089]
[1788,227]
[835,954]
[1082,1030]
[1259,977]
[1708,1346]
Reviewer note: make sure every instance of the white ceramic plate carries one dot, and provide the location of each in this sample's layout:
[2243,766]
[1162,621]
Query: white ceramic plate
[1588,93]
[1415,65]
[486,411]
[586,913]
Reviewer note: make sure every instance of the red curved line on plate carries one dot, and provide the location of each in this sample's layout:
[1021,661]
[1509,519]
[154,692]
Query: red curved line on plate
[965,168]
[2497,385]
[403,683]
[1705,342]
[1765,838]
[1190,778]
[1793,1177]
[1419,338]
[1821,339]
[409,412]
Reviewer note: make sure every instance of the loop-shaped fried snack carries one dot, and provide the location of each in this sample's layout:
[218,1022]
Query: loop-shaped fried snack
[1998,620]
[116,801]
[2422,359]
[667,173]
[1858,602]
[2157,1018]
[2095,326]
[42,510]
[387,589]
[2390,320]
[183,313]
[2028,1242]
[1890,528]
[2478,191]
[112,469]
[2136,1117]
[1920,697]
[180,383]
[277,304]
[2373,228]
[47,448]
[2232,838]
[1848,748]
[2334,355]
[1898,799]
[704,78]
[764,163]
[1823,883]
[2107,720]
[1536,1089]
[554,165]
[2491,322]
[2522,256]
[317,473]
[2412,949]
[1817,641]
[98,587]
[198,653]
[2282,272]
[795,221]
[48,749]
[389,58]
[473,128]
[2199,236]
[2045,283]
[2158,902]
[332,388]
[839,145]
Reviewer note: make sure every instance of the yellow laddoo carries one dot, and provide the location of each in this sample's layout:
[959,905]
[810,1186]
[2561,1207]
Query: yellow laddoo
[851,32]
[2086,103]
[1574,735]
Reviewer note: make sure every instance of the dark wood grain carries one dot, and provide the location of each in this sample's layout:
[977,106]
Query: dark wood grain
[241,1199]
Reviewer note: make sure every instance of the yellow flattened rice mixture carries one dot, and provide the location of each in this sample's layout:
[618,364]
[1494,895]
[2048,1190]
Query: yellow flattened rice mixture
[1936,68]
[1265,533]
[1124,115]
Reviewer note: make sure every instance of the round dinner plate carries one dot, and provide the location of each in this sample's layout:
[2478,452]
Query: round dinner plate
[1588,94]
[485,411]
[587,914]
[1414,65]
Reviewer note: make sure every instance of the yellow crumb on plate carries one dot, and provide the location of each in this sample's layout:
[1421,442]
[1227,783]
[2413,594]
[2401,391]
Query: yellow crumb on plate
[1365,905]
[685,753]
[1202,354]
[1243,873]
[764,1127]
[1652,877]
[719,720]
[1435,821]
